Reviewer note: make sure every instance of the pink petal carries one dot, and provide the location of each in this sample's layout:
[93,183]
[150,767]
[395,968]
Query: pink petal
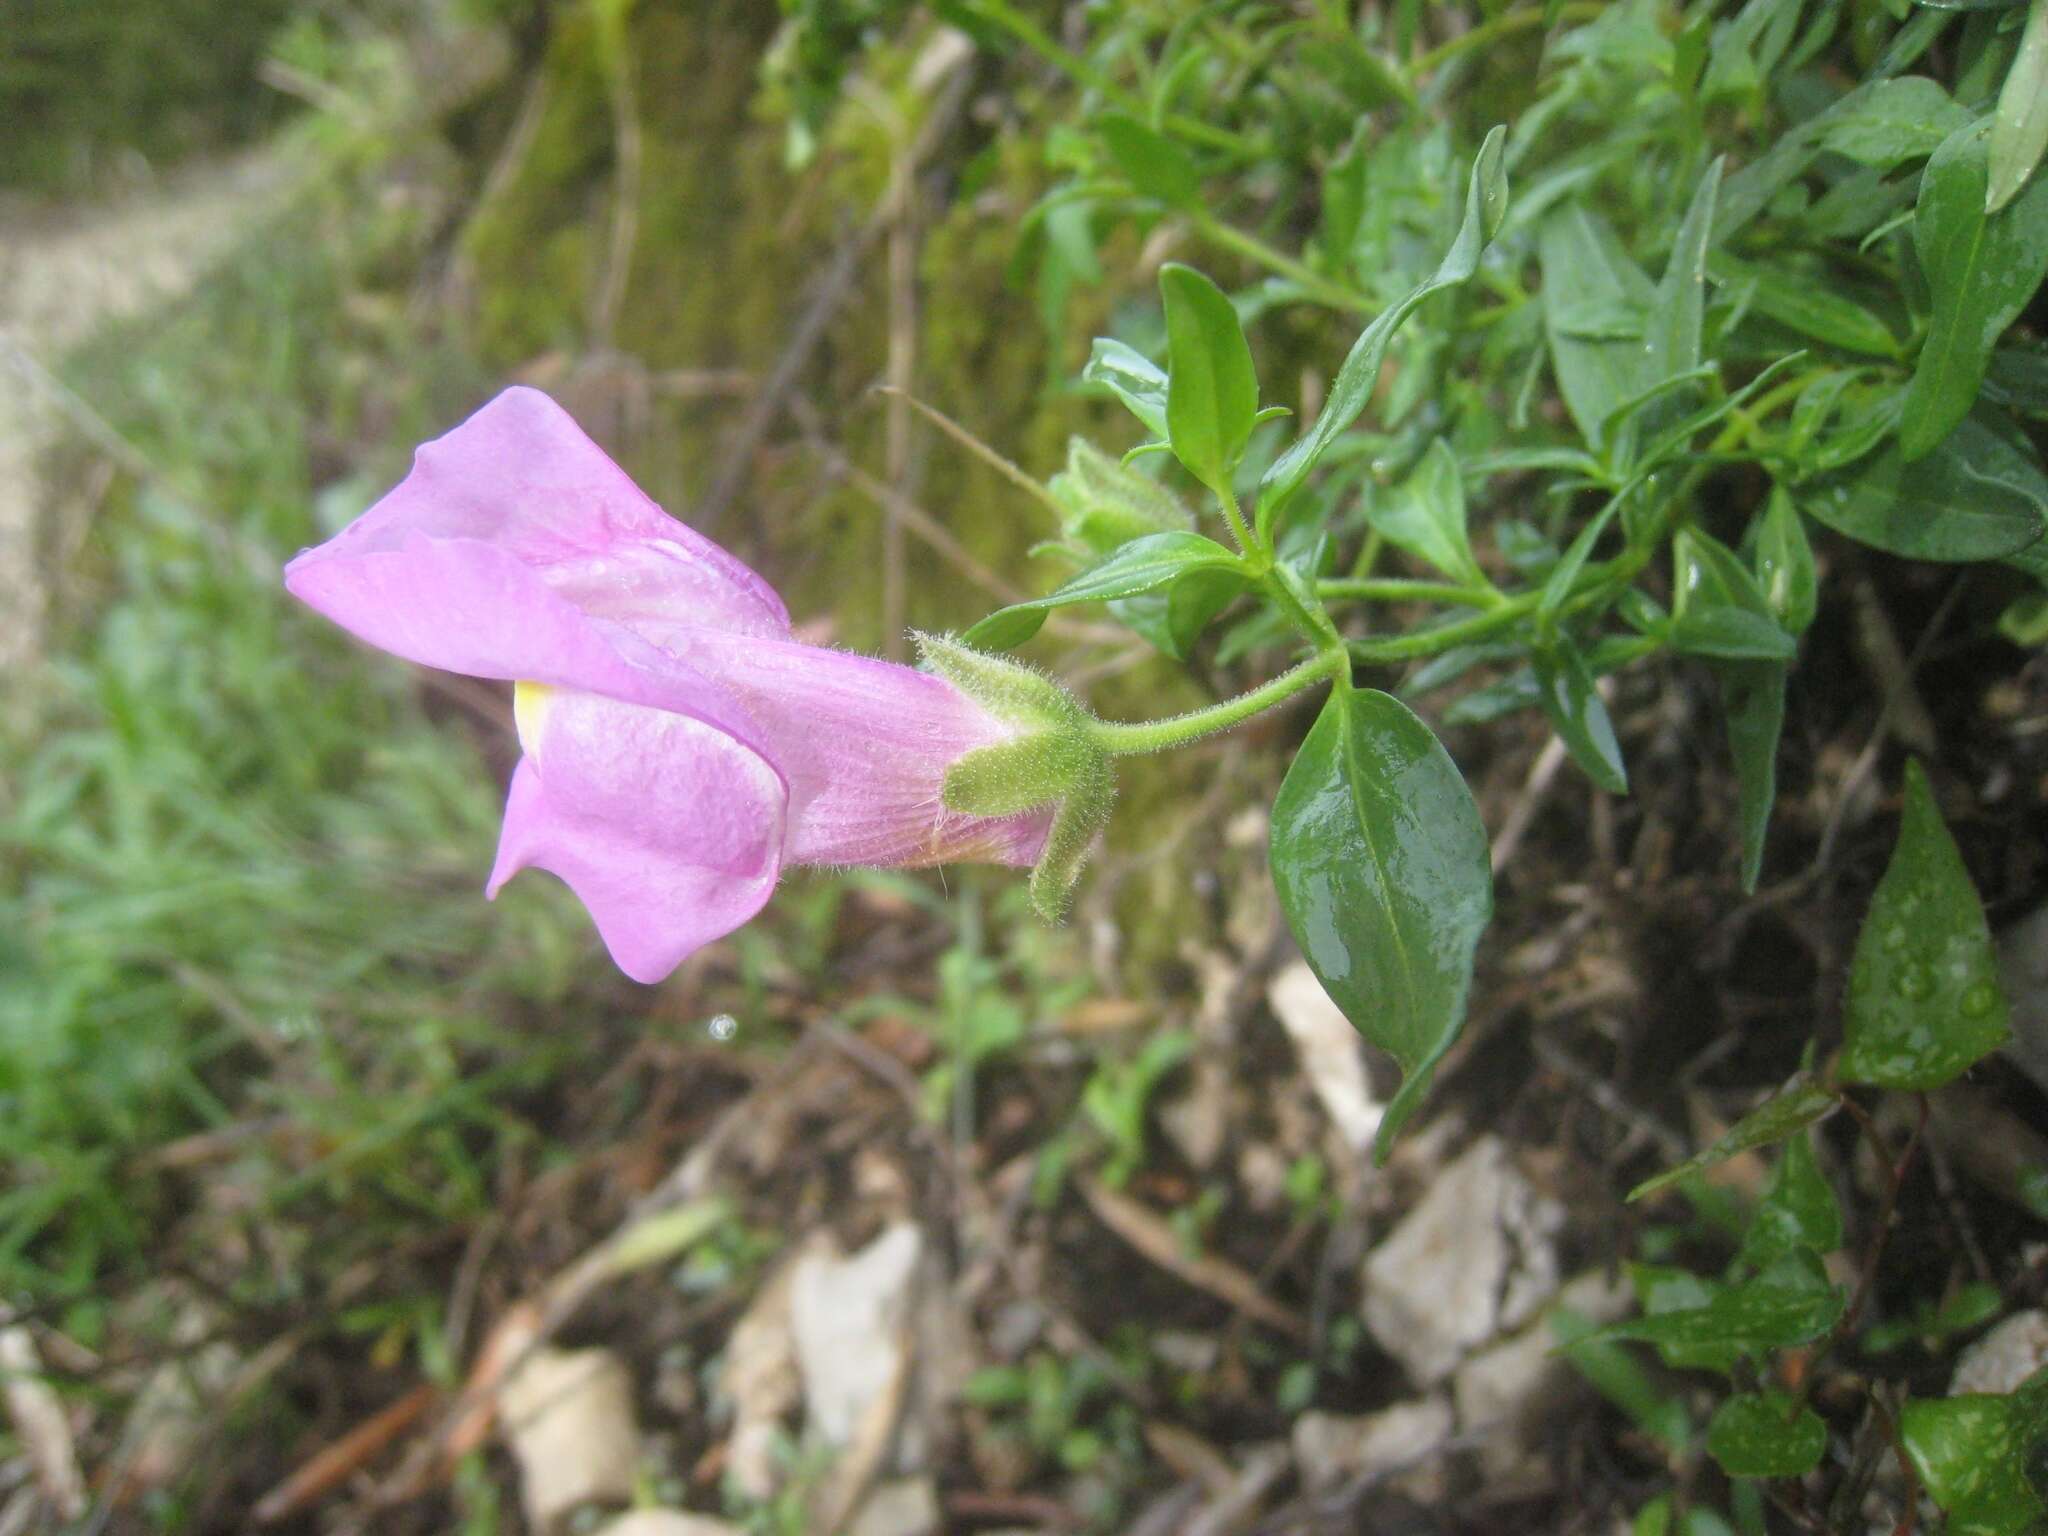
[467,606]
[864,746]
[521,476]
[669,831]
[516,549]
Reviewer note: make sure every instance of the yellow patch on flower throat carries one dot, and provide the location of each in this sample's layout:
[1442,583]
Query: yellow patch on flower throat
[530,705]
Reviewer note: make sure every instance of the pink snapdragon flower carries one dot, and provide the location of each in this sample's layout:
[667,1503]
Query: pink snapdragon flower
[680,747]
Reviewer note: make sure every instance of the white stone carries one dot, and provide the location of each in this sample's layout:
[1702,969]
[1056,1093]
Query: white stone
[1332,1448]
[1477,1255]
[1505,1393]
[1332,1055]
[759,1380]
[669,1522]
[850,1319]
[908,1506]
[2004,1357]
[568,1417]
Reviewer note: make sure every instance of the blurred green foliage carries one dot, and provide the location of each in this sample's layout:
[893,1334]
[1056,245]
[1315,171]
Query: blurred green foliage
[83,84]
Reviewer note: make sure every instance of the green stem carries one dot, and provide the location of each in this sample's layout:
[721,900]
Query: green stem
[1368,555]
[1429,642]
[1121,739]
[1247,541]
[1310,281]
[1399,589]
[1497,29]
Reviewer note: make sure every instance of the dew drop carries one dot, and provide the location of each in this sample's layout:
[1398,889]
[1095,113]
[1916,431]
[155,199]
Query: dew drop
[1894,939]
[723,1026]
[1980,1000]
[1914,983]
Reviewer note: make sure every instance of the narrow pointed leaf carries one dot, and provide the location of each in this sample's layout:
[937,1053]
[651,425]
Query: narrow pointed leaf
[1352,390]
[1806,306]
[1578,714]
[1140,566]
[1584,262]
[1786,1113]
[1753,701]
[2019,129]
[1155,166]
[1673,339]
[1212,392]
[1425,515]
[1924,1003]
[1133,378]
[1784,563]
[1717,608]
[1789,1303]
[1172,618]
[1798,1210]
[1976,496]
[1379,857]
[1982,268]
[1766,1434]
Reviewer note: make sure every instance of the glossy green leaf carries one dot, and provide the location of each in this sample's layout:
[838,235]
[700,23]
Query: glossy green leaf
[1503,696]
[1882,123]
[1578,714]
[2019,128]
[1153,164]
[1717,609]
[1804,305]
[1602,320]
[1972,1453]
[1425,515]
[1730,634]
[1891,122]
[1792,1302]
[1786,1113]
[1784,563]
[1924,1002]
[1798,1210]
[1975,497]
[1584,263]
[1139,566]
[1662,1289]
[1212,392]
[1173,618]
[1868,414]
[1379,857]
[1747,48]
[1981,268]
[1352,390]
[1753,706]
[1133,378]
[1766,1434]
